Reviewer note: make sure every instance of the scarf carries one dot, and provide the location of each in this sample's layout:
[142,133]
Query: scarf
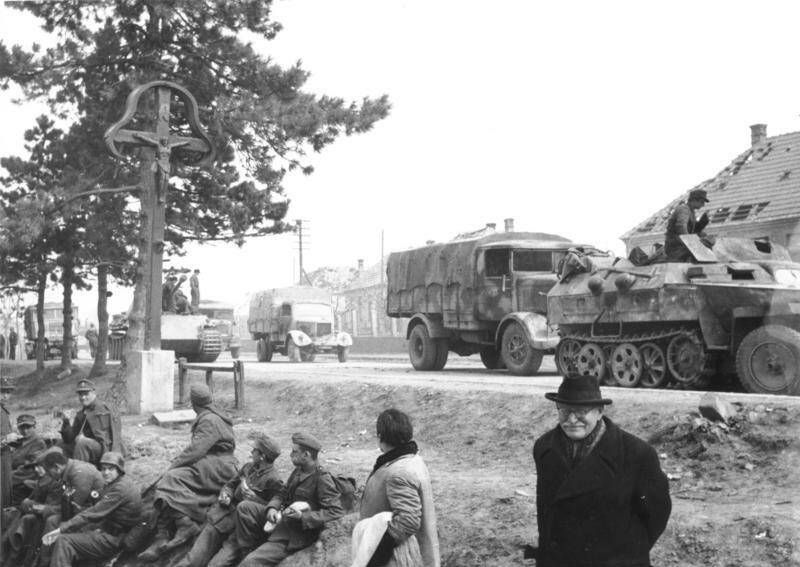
[409,448]
[578,450]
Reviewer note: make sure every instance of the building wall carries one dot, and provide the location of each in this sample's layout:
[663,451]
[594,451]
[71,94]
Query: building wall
[362,313]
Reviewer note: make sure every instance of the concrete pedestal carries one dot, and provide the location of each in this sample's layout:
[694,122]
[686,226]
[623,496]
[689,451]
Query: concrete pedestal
[150,379]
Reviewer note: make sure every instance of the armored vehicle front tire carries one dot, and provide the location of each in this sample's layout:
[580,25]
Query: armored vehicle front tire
[517,352]
[423,351]
[768,360]
[263,350]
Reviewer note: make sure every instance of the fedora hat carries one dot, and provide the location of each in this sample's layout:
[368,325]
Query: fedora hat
[578,390]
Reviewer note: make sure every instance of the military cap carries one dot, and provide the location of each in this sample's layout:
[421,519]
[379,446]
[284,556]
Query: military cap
[7,385]
[267,445]
[85,386]
[200,395]
[51,456]
[698,194]
[26,419]
[113,458]
[306,440]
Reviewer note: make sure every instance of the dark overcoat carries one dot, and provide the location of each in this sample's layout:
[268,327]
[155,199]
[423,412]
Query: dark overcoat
[608,510]
[98,422]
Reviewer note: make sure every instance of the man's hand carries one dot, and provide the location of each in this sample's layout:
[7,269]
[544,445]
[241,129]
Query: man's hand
[65,414]
[292,513]
[224,498]
[50,537]
[272,515]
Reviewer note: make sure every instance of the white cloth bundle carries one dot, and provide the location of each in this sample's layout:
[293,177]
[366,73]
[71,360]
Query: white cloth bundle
[368,533]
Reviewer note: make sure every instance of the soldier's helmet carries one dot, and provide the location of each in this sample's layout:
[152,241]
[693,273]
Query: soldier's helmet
[113,458]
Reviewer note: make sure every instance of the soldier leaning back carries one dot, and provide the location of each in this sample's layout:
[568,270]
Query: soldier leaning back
[95,430]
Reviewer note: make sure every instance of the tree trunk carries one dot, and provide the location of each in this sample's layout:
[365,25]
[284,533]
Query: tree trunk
[99,366]
[39,345]
[68,340]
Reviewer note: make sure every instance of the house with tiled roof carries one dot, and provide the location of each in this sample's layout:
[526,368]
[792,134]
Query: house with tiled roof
[756,196]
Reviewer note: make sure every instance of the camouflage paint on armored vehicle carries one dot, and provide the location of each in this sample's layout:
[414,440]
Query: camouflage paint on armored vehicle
[297,322]
[193,337]
[734,311]
[484,295]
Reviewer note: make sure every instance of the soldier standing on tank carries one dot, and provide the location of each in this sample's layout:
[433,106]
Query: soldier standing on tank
[194,289]
[118,510]
[12,343]
[167,291]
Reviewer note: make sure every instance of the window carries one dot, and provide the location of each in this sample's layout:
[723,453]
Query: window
[741,212]
[497,262]
[533,261]
[720,214]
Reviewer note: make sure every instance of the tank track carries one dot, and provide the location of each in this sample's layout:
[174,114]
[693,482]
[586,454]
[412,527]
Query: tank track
[643,338]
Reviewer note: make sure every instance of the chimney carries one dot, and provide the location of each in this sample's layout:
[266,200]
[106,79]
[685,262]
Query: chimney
[360,264]
[758,133]
[491,225]
[428,242]
[509,225]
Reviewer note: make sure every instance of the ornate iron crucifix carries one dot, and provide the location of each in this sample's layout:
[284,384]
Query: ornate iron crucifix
[158,148]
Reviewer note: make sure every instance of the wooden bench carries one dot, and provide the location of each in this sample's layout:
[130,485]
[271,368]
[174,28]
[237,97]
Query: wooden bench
[238,379]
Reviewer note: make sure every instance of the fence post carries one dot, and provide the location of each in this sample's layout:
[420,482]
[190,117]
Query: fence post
[238,383]
[182,385]
[210,380]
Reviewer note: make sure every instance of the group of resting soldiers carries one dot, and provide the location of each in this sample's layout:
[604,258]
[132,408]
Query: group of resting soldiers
[74,502]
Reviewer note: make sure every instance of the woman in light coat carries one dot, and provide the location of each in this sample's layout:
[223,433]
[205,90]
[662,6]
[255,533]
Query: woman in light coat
[400,484]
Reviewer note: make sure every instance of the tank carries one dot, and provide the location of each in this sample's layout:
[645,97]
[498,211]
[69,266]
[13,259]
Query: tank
[734,312]
[193,337]
[221,316]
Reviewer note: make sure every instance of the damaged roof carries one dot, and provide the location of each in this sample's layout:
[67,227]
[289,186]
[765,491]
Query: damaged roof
[762,184]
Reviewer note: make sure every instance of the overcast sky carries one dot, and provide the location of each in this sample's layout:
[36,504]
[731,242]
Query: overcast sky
[579,118]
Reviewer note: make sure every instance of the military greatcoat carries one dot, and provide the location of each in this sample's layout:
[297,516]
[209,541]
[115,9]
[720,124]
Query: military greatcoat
[21,463]
[98,422]
[606,511]
[195,477]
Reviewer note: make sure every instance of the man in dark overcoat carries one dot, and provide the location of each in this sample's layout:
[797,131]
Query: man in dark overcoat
[97,532]
[195,477]
[13,338]
[96,428]
[23,457]
[602,499]
[296,515]
[257,481]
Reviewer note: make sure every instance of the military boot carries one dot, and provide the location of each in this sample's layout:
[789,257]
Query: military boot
[162,537]
[187,530]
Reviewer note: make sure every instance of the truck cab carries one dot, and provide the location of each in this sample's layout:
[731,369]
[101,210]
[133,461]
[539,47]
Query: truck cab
[53,330]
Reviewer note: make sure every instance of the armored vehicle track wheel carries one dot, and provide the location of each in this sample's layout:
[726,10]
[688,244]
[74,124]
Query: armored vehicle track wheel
[518,354]
[626,365]
[686,358]
[768,360]
[591,361]
[654,366]
[491,358]
[567,355]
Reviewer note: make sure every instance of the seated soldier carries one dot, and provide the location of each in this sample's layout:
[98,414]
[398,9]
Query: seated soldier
[95,429]
[23,526]
[195,478]
[257,481]
[22,457]
[103,526]
[307,502]
[80,485]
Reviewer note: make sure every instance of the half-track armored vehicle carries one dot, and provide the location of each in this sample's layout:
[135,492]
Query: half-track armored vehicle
[193,337]
[732,312]
[221,316]
[297,322]
[484,295]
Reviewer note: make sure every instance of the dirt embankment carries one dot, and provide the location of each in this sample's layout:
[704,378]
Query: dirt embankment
[734,488]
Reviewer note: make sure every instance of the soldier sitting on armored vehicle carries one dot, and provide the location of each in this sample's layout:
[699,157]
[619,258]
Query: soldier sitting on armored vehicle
[683,221]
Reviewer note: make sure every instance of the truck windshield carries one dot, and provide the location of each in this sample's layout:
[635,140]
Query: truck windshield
[533,261]
[312,312]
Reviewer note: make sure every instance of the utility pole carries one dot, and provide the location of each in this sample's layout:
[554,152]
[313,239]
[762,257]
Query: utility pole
[301,244]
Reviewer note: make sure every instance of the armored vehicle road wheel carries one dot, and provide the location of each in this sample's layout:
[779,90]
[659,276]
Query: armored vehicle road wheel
[235,352]
[423,351]
[654,366]
[686,358]
[518,354]
[491,358]
[307,355]
[768,360]
[292,351]
[264,350]
[626,365]
[341,353]
[567,355]
[591,361]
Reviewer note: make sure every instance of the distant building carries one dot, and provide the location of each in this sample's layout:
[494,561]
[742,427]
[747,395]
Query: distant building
[361,305]
[756,196]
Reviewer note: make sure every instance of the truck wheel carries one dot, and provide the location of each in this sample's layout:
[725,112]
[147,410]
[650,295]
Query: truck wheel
[235,352]
[293,351]
[491,358]
[518,355]
[307,355]
[263,350]
[342,353]
[441,354]
[422,350]
[768,361]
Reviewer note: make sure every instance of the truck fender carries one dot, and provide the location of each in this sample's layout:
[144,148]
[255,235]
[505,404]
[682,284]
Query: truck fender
[299,338]
[435,327]
[536,328]
[344,339]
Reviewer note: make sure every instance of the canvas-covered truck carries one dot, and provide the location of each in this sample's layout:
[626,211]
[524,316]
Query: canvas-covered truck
[484,295]
[297,322]
[221,316]
[53,331]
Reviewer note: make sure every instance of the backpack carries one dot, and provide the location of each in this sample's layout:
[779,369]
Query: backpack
[347,491]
